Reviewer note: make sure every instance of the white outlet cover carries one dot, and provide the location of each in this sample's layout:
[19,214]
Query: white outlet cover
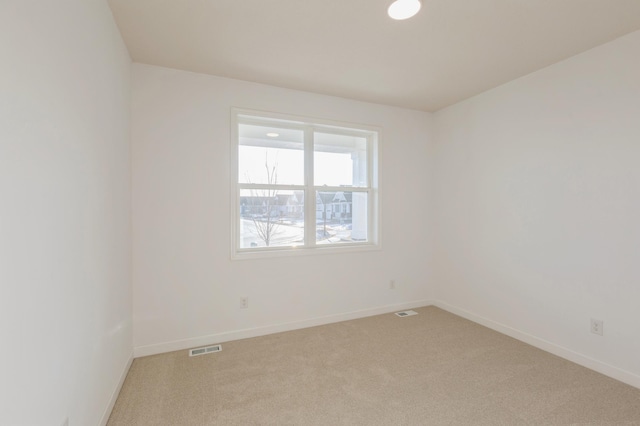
[597,327]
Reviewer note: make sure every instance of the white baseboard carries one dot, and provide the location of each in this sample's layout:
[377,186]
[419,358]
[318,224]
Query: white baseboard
[583,360]
[116,392]
[177,345]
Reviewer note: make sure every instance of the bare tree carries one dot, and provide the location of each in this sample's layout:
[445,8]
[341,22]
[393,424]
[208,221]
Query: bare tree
[267,226]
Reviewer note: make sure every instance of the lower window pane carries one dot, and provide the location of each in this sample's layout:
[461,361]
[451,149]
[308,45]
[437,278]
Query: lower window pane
[271,218]
[341,217]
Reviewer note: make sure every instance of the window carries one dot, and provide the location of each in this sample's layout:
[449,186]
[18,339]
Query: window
[302,185]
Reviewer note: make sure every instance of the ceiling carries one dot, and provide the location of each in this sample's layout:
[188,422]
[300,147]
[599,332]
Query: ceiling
[451,50]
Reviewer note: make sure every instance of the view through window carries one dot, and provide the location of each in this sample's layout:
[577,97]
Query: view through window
[303,184]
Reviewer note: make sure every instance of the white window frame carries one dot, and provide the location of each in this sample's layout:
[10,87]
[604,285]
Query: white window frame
[309,125]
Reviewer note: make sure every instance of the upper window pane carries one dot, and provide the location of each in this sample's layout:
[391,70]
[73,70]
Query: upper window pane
[270,155]
[340,160]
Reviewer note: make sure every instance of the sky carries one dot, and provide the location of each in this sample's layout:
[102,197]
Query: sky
[332,169]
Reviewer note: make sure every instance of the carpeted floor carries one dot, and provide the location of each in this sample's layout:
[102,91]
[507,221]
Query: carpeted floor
[429,369]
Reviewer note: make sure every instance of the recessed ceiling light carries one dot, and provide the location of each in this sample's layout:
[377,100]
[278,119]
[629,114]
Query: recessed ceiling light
[273,134]
[404,9]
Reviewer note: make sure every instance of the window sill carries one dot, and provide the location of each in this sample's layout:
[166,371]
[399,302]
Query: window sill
[246,254]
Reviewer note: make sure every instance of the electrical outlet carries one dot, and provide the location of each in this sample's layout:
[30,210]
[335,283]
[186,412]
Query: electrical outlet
[244,302]
[392,285]
[597,327]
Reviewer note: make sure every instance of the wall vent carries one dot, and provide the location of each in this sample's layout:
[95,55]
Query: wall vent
[205,350]
[406,313]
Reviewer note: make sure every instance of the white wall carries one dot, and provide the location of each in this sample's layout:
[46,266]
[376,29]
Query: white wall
[536,196]
[186,289]
[65,279]
[538,207]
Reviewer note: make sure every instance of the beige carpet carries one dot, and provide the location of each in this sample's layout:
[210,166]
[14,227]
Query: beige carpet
[430,369]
